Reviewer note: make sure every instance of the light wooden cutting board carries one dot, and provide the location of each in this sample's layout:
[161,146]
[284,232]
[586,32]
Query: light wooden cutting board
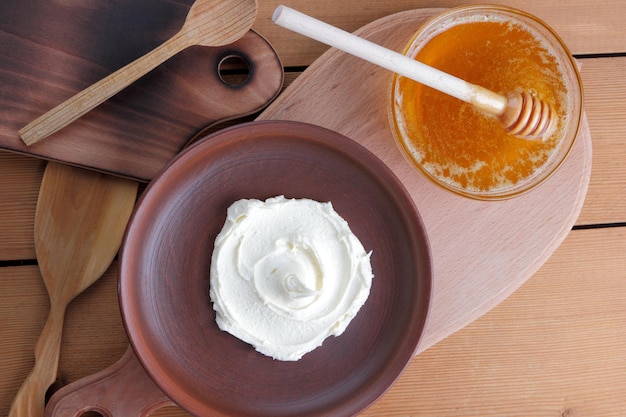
[482,251]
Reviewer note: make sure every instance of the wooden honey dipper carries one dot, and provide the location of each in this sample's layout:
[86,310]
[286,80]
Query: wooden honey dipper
[521,114]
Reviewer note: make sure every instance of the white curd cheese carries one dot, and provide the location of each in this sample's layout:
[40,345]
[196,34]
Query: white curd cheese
[286,274]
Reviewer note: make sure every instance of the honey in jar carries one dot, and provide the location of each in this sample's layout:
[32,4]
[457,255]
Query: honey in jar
[454,143]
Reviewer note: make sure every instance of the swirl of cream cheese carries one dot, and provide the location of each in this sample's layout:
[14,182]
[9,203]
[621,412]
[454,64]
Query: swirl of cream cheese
[286,274]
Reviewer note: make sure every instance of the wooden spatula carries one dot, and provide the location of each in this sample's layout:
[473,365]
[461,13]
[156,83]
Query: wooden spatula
[80,220]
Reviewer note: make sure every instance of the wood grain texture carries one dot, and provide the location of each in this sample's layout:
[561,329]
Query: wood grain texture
[469,279]
[80,220]
[93,334]
[585,27]
[43,65]
[604,80]
[558,342]
[208,23]
[20,177]
[123,389]
[605,99]
[554,348]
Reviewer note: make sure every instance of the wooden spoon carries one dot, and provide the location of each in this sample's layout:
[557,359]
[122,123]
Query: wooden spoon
[80,221]
[521,114]
[208,23]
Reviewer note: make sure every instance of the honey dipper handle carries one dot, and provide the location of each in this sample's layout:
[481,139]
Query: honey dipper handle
[486,100]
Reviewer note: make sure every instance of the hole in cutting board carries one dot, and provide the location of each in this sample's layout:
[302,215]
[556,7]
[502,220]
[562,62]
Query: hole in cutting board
[234,70]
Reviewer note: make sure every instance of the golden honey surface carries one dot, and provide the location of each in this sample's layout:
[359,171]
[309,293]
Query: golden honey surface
[454,142]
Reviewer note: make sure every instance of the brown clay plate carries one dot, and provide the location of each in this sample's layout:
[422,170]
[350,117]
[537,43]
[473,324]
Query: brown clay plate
[165,260]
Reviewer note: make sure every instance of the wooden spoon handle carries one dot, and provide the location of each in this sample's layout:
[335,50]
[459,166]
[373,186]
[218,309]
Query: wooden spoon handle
[84,101]
[123,389]
[30,399]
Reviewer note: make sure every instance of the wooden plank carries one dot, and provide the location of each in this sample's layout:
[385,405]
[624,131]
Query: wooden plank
[23,305]
[554,348]
[93,337]
[605,99]
[571,330]
[586,28]
[20,177]
[604,81]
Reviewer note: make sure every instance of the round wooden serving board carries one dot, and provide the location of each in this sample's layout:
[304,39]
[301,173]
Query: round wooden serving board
[482,251]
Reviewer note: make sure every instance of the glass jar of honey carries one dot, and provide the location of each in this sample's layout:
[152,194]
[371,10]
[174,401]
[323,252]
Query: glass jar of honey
[455,145]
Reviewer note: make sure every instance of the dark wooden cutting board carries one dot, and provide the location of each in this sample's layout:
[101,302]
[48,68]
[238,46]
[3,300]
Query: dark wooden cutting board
[50,50]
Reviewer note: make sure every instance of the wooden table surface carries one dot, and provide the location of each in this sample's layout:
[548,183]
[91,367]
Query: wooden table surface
[556,347]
